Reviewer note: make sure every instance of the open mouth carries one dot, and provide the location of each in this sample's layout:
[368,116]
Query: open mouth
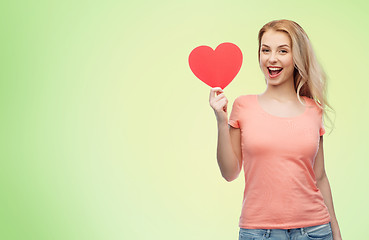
[274,71]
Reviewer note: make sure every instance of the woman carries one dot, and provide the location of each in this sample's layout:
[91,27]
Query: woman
[277,138]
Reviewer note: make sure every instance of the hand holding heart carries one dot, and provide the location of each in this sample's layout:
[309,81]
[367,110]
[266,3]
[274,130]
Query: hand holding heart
[219,104]
[216,68]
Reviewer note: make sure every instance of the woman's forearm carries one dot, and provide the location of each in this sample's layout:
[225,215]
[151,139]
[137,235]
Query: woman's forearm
[227,159]
[325,189]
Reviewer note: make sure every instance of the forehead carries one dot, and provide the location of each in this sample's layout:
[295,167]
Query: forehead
[275,38]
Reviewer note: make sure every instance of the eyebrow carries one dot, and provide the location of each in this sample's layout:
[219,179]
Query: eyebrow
[284,45]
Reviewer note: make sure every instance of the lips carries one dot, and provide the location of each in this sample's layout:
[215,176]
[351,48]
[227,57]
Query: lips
[274,71]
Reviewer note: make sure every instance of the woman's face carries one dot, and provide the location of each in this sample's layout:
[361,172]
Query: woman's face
[276,60]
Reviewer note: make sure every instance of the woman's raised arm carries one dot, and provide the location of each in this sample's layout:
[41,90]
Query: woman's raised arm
[229,138]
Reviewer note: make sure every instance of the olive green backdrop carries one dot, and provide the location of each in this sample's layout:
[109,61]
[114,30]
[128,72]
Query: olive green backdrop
[107,134]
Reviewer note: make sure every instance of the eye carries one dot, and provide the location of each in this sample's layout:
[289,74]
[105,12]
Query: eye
[283,51]
[265,50]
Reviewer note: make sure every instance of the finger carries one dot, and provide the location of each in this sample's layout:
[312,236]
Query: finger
[221,104]
[215,90]
[220,97]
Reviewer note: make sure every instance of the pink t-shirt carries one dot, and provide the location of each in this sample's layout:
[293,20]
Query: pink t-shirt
[278,154]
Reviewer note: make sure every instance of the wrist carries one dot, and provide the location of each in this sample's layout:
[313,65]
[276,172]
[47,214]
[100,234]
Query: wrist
[222,123]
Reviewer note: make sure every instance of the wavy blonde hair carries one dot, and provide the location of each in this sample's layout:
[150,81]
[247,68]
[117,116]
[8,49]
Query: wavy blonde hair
[309,76]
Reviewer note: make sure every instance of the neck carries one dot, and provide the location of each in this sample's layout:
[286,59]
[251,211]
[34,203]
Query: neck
[283,93]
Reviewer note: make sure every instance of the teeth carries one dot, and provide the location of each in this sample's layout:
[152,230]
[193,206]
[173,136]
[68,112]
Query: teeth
[274,69]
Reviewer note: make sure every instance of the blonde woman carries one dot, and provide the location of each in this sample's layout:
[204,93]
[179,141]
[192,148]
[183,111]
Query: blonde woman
[277,139]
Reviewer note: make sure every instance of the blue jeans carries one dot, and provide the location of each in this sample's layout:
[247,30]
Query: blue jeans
[318,232]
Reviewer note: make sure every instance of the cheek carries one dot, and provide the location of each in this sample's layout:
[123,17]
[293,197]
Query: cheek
[291,68]
[289,62]
[262,61]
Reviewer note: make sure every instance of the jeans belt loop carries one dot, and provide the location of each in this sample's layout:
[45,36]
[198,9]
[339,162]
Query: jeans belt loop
[267,233]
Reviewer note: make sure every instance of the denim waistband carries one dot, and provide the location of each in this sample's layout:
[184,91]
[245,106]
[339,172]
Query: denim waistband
[302,230]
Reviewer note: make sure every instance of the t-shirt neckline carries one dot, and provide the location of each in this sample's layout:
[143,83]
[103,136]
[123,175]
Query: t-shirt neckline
[293,117]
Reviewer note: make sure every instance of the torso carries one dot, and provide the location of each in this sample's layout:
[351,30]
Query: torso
[288,109]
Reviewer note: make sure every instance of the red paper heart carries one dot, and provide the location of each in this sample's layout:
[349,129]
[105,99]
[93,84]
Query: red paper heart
[216,68]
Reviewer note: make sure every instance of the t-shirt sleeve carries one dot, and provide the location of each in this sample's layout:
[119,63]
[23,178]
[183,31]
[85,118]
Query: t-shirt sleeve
[322,129]
[235,114]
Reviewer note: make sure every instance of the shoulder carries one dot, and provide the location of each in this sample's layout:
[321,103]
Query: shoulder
[244,99]
[313,104]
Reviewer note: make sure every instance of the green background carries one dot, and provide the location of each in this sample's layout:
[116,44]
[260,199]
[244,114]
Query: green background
[107,134]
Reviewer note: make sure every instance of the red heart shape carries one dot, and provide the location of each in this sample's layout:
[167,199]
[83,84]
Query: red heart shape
[216,68]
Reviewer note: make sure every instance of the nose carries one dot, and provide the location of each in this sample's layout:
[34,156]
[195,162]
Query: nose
[272,58]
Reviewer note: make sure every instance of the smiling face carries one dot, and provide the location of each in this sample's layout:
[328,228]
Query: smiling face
[276,59]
